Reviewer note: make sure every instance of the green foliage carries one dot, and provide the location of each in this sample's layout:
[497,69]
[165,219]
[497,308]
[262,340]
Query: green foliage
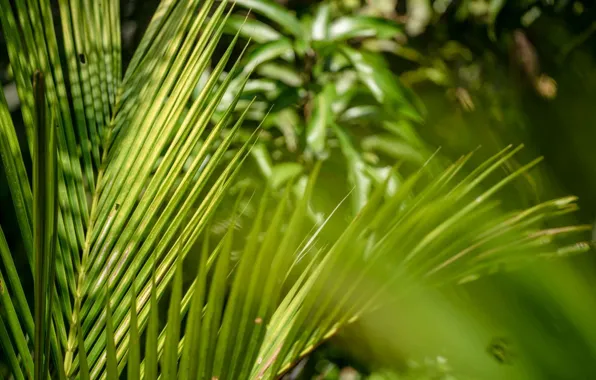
[127,179]
[323,85]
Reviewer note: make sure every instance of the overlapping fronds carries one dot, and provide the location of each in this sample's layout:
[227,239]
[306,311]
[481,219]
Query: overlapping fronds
[137,179]
[126,143]
[289,291]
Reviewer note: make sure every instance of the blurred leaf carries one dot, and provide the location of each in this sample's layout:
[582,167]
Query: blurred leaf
[316,128]
[256,86]
[275,13]
[406,131]
[284,172]
[346,88]
[261,156]
[289,97]
[385,175]
[281,48]
[288,122]
[494,8]
[281,72]
[250,28]
[339,62]
[320,25]
[423,74]
[348,27]
[356,169]
[381,82]
[361,113]
[393,147]
[419,15]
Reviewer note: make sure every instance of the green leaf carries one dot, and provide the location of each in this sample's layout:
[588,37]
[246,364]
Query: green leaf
[189,365]
[356,166]
[179,191]
[84,365]
[18,294]
[361,114]
[12,322]
[250,28]
[214,309]
[316,129]
[18,182]
[134,350]
[266,52]
[381,82]
[45,220]
[385,175]
[320,25]
[255,86]
[284,172]
[170,356]
[347,27]
[111,360]
[494,8]
[397,149]
[151,344]
[10,353]
[281,72]
[419,16]
[276,13]
[154,152]
[289,123]
[263,159]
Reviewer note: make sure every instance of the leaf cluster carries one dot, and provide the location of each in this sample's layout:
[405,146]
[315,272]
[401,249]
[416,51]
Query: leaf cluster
[324,84]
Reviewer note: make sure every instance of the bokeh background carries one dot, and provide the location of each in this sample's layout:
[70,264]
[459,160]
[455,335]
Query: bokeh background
[477,75]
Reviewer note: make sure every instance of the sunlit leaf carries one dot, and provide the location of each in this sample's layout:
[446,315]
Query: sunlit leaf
[281,16]
[363,27]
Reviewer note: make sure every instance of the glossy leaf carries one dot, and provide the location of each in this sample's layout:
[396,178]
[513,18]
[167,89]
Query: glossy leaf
[276,13]
[269,51]
[385,86]
[252,29]
[348,27]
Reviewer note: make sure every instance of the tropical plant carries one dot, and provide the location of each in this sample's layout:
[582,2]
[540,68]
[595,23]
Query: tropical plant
[125,184]
[323,82]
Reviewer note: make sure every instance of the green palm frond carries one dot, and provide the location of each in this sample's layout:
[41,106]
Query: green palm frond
[139,172]
[111,137]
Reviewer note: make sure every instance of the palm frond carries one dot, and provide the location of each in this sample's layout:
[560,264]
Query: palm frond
[117,122]
[141,169]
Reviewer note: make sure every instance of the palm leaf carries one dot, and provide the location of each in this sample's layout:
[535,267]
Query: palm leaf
[105,115]
[150,157]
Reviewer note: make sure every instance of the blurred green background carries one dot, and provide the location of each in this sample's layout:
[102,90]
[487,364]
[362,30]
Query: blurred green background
[470,75]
